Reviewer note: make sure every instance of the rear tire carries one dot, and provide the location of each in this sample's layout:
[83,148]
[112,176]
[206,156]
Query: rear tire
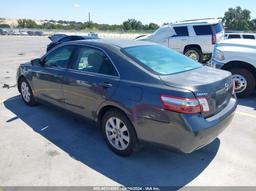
[194,53]
[119,133]
[244,80]
[26,92]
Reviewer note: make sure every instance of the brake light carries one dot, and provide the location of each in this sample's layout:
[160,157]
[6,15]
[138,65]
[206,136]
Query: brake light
[185,105]
[214,37]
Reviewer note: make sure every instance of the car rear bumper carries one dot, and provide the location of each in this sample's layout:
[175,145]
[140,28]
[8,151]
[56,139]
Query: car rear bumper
[188,132]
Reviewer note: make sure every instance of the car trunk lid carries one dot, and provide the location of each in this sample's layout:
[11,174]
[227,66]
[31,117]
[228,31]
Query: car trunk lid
[213,84]
[56,37]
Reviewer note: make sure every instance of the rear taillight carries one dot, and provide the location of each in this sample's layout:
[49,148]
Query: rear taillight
[214,37]
[185,105]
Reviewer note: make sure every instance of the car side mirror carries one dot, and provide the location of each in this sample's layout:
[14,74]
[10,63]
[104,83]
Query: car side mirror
[37,62]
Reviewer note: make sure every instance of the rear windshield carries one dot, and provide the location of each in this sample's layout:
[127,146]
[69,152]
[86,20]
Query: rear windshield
[218,27]
[161,60]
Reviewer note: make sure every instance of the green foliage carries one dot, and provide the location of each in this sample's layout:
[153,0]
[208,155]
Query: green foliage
[132,24]
[129,25]
[253,24]
[27,23]
[4,26]
[237,19]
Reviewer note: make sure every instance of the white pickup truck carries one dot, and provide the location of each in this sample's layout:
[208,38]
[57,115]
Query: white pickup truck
[239,57]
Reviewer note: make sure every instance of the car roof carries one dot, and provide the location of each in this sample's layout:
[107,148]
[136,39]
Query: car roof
[115,43]
[207,21]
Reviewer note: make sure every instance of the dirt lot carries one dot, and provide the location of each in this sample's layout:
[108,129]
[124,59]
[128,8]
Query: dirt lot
[44,146]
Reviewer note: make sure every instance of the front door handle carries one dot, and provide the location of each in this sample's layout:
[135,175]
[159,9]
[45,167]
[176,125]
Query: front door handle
[105,84]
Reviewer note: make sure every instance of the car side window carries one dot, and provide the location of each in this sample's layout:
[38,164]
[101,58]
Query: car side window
[93,60]
[181,31]
[246,36]
[203,29]
[234,36]
[59,57]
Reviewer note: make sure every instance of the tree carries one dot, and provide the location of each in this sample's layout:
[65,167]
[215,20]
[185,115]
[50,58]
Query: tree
[5,26]
[132,24]
[27,23]
[237,19]
[253,24]
[153,26]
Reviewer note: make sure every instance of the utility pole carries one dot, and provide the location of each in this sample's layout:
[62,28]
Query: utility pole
[89,17]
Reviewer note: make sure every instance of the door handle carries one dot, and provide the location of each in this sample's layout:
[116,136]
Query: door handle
[57,76]
[105,84]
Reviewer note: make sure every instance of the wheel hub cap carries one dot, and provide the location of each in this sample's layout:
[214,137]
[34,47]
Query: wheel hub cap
[192,54]
[117,133]
[240,83]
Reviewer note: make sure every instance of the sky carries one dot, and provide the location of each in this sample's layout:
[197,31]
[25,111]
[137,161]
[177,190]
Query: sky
[117,11]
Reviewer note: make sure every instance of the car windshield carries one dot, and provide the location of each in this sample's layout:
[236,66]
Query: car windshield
[161,60]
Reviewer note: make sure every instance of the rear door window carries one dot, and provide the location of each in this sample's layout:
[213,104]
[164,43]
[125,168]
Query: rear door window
[93,60]
[181,31]
[203,30]
[234,36]
[245,36]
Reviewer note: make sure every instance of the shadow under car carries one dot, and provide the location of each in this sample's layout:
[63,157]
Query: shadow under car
[151,166]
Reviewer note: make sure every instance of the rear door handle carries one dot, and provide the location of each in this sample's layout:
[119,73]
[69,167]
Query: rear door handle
[105,84]
[58,76]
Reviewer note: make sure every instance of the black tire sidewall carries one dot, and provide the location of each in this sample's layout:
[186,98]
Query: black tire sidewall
[199,52]
[133,138]
[249,78]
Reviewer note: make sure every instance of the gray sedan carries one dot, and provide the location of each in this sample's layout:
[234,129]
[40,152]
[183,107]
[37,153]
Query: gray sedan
[136,91]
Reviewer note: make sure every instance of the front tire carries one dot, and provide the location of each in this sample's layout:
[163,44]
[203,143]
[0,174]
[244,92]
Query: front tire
[26,92]
[119,133]
[244,81]
[194,53]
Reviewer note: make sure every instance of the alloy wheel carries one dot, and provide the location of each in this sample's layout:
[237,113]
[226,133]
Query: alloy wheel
[192,54]
[240,83]
[25,92]
[117,133]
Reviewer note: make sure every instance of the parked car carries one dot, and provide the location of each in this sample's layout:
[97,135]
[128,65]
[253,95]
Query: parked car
[194,38]
[137,91]
[60,38]
[240,35]
[239,57]
[3,32]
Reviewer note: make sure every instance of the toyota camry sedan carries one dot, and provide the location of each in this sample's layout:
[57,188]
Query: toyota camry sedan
[136,91]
